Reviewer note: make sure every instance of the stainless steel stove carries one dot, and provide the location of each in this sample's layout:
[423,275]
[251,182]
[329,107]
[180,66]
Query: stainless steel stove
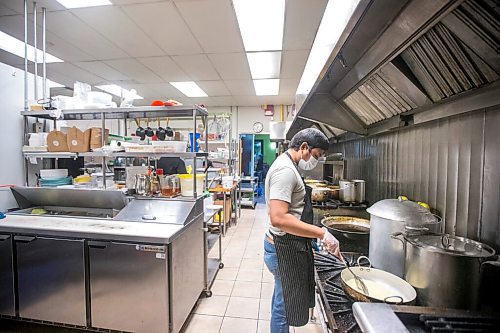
[342,314]
[378,317]
[334,302]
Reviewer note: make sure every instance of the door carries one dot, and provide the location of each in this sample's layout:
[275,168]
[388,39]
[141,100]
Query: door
[51,279]
[128,287]
[247,158]
[6,276]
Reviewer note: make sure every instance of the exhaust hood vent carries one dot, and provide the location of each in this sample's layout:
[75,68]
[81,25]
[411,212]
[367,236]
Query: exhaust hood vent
[444,65]
[378,99]
[459,53]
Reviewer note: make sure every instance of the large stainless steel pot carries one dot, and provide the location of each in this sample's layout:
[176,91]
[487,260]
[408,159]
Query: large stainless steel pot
[388,217]
[347,191]
[445,270]
[359,190]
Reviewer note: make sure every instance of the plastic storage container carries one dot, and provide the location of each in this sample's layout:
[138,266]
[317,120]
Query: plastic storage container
[187,184]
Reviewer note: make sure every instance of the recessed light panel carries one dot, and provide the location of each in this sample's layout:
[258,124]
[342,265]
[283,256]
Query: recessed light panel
[264,65]
[261,23]
[83,3]
[269,87]
[189,88]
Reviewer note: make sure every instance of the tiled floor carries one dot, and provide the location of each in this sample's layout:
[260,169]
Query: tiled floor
[242,291]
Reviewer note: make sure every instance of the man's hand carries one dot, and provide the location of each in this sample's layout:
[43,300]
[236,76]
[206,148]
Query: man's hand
[331,244]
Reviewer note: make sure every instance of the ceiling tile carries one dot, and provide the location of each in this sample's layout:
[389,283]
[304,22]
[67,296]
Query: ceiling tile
[81,34]
[152,91]
[6,11]
[293,63]
[289,86]
[240,87]
[198,67]
[172,35]
[246,100]
[302,19]
[18,6]
[213,23]
[103,70]
[14,26]
[223,101]
[231,66]
[112,23]
[214,88]
[74,72]
[165,67]
[135,70]
[128,2]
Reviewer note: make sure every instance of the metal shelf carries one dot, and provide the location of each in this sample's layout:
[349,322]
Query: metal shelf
[181,111]
[111,155]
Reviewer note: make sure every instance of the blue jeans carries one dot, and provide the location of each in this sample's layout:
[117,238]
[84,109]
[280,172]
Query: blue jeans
[279,323]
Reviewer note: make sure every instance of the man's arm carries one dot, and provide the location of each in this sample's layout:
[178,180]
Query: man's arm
[282,219]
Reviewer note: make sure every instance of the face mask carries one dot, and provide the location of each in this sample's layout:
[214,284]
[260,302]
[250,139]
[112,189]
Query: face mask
[309,164]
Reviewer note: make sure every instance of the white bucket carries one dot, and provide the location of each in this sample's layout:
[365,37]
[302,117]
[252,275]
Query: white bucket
[187,184]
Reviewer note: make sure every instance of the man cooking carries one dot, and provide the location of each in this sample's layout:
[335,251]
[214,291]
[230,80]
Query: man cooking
[287,245]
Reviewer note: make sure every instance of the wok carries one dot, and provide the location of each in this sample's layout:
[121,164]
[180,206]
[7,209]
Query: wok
[382,286]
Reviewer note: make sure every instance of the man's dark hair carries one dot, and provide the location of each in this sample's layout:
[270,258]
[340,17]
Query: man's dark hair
[312,136]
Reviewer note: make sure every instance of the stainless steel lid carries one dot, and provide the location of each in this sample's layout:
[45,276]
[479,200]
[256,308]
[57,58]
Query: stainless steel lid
[405,211]
[452,245]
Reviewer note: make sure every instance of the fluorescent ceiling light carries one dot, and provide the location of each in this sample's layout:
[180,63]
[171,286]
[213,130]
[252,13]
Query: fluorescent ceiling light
[189,88]
[119,91]
[264,65]
[83,3]
[261,23]
[15,46]
[335,18]
[269,87]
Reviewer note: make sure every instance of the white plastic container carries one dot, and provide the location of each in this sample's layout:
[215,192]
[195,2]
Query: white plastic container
[98,98]
[170,146]
[187,184]
[227,181]
[53,173]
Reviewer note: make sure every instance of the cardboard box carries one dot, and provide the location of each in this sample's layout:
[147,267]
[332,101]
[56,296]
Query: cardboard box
[57,142]
[226,215]
[96,137]
[78,141]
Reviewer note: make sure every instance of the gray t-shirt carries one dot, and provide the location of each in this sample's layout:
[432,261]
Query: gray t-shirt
[283,182]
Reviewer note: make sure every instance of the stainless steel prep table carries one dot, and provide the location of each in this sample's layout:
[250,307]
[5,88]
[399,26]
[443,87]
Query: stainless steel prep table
[141,271]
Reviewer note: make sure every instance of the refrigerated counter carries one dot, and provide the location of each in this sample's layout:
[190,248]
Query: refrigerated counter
[108,263]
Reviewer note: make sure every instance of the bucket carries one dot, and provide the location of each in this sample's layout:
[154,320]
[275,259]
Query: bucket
[187,184]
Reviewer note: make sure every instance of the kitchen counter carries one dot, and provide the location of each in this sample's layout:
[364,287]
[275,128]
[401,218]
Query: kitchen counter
[92,228]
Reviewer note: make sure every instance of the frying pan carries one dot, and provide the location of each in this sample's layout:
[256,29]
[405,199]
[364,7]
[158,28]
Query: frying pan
[140,131]
[160,132]
[382,286]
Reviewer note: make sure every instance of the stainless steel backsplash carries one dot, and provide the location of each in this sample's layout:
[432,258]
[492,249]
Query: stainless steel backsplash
[453,164]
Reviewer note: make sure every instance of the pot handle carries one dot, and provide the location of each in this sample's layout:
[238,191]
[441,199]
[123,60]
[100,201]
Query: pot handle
[401,300]
[407,227]
[398,236]
[445,241]
[364,257]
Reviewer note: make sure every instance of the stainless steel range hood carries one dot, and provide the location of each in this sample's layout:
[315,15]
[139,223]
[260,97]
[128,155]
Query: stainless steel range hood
[402,58]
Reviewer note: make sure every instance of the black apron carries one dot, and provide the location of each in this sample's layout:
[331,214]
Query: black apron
[296,268]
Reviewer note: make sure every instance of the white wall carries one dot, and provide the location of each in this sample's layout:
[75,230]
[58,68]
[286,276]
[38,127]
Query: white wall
[11,138]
